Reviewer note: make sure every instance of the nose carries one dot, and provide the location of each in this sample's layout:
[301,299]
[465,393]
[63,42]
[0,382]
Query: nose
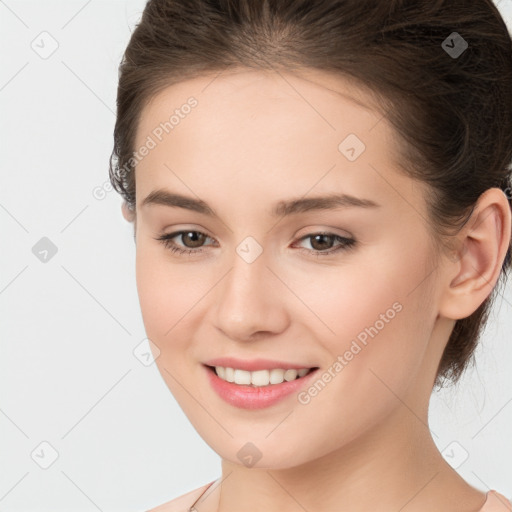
[251,301]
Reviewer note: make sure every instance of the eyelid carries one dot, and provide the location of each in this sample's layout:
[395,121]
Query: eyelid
[344,243]
[308,231]
[327,230]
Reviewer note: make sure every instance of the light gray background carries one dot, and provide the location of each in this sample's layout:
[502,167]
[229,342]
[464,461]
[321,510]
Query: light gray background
[69,326]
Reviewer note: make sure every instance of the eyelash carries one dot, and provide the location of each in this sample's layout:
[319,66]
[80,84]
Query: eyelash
[346,243]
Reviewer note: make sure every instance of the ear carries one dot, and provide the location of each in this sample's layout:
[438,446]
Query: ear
[128,214]
[483,243]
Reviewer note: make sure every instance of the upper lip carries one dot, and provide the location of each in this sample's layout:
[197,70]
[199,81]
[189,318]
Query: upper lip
[253,364]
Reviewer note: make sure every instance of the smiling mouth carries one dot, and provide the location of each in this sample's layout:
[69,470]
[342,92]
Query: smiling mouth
[259,378]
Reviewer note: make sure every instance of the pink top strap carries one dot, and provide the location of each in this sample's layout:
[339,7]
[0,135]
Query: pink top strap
[496,502]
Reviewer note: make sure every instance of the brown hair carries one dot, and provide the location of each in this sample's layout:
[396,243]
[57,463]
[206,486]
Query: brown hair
[452,113]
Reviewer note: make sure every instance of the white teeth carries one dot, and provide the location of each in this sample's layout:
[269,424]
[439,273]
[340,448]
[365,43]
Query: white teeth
[260,377]
[242,377]
[290,375]
[229,374]
[276,376]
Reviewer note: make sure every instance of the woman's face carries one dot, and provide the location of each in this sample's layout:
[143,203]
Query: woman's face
[263,283]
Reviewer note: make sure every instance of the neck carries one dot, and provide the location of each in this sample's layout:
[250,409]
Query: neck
[395,466]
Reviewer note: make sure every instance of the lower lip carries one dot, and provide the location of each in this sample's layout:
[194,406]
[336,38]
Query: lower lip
[251,397]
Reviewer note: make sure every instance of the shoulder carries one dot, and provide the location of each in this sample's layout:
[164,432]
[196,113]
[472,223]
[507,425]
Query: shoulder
[496,502]
[181,503]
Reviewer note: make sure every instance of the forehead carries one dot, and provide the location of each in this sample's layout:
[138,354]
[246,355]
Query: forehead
[328,101]
[265,129]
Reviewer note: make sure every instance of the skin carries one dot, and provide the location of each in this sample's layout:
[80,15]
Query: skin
[363,442]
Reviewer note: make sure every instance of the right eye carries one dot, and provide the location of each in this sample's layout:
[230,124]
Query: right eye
[167,241]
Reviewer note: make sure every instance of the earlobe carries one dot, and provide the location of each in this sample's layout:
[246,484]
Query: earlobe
[483,244]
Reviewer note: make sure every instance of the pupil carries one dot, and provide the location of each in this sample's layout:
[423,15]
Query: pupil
[196,235]
[320,237]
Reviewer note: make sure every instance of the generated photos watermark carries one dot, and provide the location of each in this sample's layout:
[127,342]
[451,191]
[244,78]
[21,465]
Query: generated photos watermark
[356,346]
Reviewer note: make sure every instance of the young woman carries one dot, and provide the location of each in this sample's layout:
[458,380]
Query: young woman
[320,192]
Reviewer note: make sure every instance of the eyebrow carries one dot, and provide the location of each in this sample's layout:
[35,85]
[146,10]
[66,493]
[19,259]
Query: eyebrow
[281,208]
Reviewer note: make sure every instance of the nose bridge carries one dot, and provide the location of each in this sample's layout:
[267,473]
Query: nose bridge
[247,301]
[247,282]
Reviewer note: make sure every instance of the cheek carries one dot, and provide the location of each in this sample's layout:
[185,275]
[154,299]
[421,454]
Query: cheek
[379,322]
[167,296]
[165,293]
[375,356]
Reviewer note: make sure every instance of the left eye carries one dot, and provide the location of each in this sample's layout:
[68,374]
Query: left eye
[196,238]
